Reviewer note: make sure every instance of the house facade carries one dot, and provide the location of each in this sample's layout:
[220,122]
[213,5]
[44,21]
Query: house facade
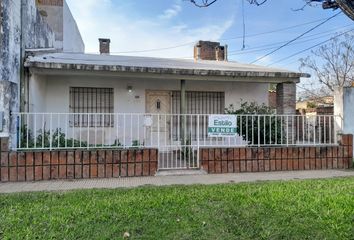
[211,82]
[46,71]
[112,88]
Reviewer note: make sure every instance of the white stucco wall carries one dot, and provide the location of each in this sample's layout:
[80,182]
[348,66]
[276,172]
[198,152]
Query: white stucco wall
[72,40]
[348,109]
[57,91]
[338,102]
[344,107]
[51,94]
[37,93]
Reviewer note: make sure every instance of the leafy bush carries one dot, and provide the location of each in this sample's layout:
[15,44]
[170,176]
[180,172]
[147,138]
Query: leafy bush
[249,123]
[59,140]
[44,140]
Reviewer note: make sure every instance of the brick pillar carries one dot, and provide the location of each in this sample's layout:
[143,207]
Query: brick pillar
[286,98]
[286,105]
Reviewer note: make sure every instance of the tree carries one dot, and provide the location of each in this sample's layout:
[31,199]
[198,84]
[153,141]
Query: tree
[332,64]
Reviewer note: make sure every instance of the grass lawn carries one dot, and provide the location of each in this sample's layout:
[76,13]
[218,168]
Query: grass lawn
[313,209]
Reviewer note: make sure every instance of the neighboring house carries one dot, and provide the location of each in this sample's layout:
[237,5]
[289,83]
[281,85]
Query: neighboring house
[315,103]
[316,106]
[29,25]
[57,15]
[321,110]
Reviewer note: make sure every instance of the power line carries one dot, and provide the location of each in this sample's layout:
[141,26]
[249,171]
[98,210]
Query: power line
[158,49]
[293,40]
[268,48]
[316,45]
[274,31]
[243,25]
[253,49]
[220,39]
[261,47]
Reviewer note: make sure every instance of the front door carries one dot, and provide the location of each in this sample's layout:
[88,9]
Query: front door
[172,155]
[158,104]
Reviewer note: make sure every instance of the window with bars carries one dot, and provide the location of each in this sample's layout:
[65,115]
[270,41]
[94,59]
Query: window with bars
[200,102]
[197,103]
[92,107]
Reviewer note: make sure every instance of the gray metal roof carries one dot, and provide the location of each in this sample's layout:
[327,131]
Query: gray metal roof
[114,63]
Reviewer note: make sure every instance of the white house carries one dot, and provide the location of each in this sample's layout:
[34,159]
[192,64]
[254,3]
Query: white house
[57,82]
[140,101]
[70,99]
[64,99]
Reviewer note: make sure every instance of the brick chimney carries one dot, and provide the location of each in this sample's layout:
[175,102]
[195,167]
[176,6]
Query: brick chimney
[206,50]
[105,45]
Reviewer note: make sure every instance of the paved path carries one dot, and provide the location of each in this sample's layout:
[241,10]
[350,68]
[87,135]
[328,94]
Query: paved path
[168,180]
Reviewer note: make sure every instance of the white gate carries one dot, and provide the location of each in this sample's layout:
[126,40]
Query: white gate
[177,140]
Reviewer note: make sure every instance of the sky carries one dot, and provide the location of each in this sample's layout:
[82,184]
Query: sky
[170,28]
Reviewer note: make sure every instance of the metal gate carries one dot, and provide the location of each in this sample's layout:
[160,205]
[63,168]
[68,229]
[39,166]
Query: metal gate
[178,157]
[178,141]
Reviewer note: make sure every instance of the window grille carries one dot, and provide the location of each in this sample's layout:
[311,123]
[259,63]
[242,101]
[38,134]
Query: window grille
[86,102]
[200,102]
[197,103]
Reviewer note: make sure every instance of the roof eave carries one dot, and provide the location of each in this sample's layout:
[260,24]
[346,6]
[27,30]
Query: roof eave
[157,70]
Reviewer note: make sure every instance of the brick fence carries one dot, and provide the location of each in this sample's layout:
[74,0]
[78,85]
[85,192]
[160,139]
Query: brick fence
[79,164]
[84,164]
[234,160]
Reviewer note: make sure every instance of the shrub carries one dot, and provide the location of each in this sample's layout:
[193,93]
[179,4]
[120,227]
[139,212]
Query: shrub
[255,128]
[43,140]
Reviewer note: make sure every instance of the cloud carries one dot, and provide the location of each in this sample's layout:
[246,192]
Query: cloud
[128,33]
[171,12]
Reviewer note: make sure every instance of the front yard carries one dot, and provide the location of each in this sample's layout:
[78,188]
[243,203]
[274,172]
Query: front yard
[313,209]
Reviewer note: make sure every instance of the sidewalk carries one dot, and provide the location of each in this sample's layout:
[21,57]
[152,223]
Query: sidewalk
[168,180]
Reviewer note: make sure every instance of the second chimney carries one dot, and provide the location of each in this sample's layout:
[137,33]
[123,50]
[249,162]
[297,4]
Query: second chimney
[105,45]
[206,50]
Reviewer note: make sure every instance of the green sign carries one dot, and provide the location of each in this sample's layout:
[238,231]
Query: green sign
[222,126]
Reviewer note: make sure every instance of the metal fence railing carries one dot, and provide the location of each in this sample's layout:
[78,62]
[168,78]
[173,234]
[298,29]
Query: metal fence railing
[168,131]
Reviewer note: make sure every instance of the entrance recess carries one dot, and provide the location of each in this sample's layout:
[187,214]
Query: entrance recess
[175,152]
